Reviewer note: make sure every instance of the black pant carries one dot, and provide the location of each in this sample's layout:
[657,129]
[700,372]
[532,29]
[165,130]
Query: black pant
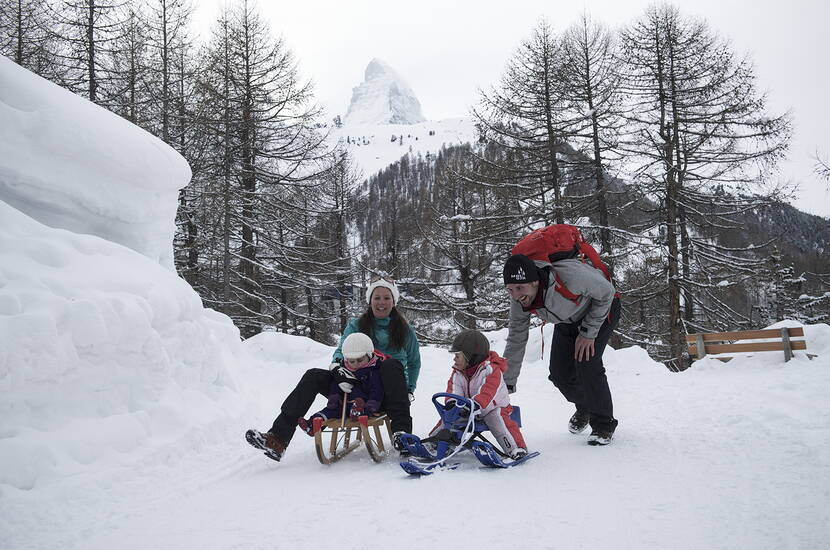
[318,381]
[584,383]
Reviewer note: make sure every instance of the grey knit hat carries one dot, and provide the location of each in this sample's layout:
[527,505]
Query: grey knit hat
[473,344]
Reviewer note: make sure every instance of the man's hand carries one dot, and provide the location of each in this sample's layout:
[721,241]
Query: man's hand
[584,348]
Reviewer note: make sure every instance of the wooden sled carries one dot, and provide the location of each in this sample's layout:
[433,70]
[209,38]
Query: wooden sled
[343,439]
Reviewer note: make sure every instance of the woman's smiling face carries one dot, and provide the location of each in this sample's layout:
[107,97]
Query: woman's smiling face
[382,302]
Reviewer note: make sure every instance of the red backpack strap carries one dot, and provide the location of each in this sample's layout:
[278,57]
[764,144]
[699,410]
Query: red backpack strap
[592,255]
[563,290]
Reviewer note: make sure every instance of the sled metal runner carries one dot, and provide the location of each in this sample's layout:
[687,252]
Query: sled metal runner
[334,439]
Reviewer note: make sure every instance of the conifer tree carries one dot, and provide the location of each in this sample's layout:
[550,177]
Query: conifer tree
[527,115]
[25,36]
[705,149]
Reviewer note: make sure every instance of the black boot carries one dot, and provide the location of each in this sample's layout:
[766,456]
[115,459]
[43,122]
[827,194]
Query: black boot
[578,422]
[273,446]
[603,433]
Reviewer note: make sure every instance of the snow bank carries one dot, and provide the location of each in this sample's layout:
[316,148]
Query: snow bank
[102,351]
[73,165]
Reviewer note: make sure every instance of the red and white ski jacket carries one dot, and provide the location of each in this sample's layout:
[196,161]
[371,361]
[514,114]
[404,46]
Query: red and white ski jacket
[483,382]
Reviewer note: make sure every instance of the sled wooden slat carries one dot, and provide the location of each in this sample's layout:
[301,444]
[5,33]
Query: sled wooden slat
[701,345]
[343,439]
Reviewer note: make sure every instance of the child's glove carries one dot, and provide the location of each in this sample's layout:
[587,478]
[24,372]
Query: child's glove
[465,409]
[358,406]
[344,378]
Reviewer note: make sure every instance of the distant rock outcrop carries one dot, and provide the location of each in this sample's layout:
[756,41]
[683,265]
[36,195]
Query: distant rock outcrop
[383,98]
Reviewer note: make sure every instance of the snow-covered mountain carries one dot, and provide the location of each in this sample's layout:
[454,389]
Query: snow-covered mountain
[383,98]
[384,123]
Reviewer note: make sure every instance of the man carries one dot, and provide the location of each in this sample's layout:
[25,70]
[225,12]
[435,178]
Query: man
[581,303]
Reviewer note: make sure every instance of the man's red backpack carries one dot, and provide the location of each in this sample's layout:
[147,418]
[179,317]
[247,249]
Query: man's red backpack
[559,242]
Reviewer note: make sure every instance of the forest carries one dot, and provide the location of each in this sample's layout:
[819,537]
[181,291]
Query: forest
[653,139]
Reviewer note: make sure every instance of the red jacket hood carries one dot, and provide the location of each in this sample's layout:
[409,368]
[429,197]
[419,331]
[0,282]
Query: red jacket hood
[496,361]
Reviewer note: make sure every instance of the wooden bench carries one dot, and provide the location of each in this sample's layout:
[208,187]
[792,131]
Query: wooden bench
[701,345]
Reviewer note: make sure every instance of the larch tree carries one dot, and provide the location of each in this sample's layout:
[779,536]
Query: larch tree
[25,36]
[527,114]
[706,151]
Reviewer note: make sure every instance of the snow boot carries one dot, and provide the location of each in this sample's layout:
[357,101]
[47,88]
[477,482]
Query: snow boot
[306,425]
[273,446]
[518,453]
[399,446]
[600,437]
[578,422]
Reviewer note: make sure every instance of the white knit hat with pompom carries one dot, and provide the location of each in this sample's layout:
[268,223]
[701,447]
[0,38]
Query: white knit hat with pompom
[383,283]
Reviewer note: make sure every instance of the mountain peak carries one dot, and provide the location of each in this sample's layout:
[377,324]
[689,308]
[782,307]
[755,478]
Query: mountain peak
[383,98]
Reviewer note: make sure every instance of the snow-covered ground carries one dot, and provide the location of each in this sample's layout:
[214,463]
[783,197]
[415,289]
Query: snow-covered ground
[721,456]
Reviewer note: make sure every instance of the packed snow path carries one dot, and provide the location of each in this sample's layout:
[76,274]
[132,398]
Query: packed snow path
[721,456]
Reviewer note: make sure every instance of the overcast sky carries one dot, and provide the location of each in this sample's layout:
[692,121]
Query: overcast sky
[447,49]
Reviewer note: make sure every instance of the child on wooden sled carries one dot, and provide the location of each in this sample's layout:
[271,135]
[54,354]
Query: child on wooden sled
[477,373]
[366,392]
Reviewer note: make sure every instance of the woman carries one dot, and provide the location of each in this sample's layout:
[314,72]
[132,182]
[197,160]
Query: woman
[392,336]
[384,324]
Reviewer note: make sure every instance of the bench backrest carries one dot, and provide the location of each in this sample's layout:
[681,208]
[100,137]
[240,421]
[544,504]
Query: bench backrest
[720,342]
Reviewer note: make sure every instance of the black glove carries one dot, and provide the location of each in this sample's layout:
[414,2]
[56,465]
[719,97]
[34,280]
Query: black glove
[336,364]
[465,409]
[344,378]
[511,389]
[449,404]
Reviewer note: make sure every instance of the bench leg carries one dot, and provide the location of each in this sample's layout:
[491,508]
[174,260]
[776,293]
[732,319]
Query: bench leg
[701,347]
[785,337]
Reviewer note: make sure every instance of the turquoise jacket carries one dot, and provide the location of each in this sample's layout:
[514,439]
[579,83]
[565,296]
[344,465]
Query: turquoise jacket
[409,355]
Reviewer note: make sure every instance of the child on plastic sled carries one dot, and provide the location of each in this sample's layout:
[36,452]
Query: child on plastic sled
[366,393]
[477,373]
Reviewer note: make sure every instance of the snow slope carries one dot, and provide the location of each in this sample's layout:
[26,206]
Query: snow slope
[71,164]
[727,456]
[373,147]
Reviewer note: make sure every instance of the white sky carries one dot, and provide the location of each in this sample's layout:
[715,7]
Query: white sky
[448,49]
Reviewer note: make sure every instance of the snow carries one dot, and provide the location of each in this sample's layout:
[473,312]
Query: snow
[123,404]
[102,351]
[383,98]
[720,457]
[71,164]
[372,149]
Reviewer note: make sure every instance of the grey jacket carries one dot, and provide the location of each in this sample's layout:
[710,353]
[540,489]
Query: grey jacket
[580,278]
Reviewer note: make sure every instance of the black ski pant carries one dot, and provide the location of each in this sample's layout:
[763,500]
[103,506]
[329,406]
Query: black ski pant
[584,383]
[318,382]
